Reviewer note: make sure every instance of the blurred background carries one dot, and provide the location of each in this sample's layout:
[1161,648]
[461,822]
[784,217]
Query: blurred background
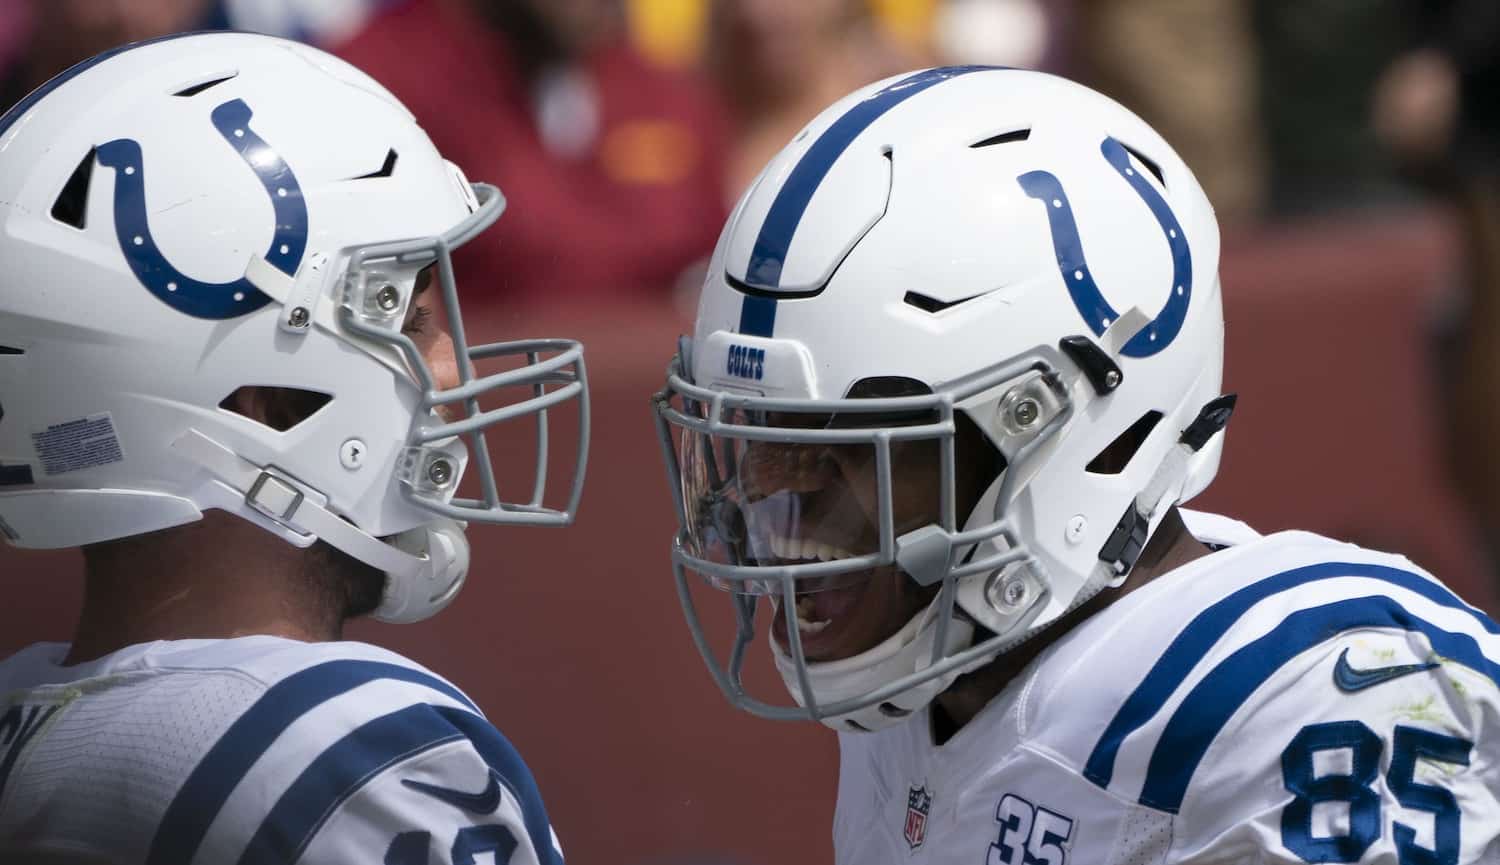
[1348,146]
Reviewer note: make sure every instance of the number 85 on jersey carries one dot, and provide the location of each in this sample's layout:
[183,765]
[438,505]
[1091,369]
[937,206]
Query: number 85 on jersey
[1331,769]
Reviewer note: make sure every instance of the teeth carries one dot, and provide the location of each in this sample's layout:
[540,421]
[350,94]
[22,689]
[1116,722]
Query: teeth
[805,610]
[807,549]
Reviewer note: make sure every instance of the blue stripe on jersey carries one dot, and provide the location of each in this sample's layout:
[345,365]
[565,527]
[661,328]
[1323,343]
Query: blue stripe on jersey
[502,757]
[193,809]
[339,773]
[1195,641]
[758,314]
[357,759]
[1211,703]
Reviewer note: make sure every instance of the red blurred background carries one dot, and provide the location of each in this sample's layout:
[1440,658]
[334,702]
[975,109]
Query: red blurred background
[621,129]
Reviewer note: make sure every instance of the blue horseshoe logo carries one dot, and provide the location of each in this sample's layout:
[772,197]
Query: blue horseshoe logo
[212,300]
[1087,298]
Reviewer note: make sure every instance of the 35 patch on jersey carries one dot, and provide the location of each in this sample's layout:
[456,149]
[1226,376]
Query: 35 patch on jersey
[1029,834]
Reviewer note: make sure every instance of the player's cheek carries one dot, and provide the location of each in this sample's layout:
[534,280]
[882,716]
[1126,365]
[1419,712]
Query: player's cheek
[769,468]
[443,360]
[858,477]
[916,493]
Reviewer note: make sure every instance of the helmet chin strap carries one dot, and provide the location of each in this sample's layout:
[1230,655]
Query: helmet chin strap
[907,651]
[1164,489]
[424,566]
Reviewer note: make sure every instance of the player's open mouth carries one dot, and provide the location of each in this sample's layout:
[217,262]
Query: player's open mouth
[821,611]
[823,620]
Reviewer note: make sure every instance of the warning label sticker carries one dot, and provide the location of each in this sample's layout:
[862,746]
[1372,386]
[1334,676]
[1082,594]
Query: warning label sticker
[78,444]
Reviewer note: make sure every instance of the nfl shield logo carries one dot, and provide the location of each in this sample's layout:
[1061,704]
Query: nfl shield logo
[918,803]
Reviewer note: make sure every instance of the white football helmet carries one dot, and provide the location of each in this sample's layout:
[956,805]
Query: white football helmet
[969,247]
[183,218]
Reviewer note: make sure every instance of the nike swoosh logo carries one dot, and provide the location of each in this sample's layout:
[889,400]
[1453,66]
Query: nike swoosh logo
[1349,680]
[483,802]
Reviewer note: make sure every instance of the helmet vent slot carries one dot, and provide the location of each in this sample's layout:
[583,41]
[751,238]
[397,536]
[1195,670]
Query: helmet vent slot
[880,386]
[885,387]
[754,291]
[1150,164]
[72,204]
[6,349]
[195,89]
[932,304]
[385,170]
[1118,454]
[279,408]
[1003,138]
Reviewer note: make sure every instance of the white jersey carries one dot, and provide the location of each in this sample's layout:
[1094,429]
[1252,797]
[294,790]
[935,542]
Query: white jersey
[255,750]
[1286,699]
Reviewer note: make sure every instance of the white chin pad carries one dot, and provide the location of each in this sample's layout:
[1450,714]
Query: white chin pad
[445,551]
[907,651]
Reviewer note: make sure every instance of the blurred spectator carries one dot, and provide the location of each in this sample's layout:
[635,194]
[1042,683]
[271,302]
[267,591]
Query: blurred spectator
[779,62]
[320,22]
[1020,33]
[611,165]
[1436,108]
[55,34]
[39,38]
[15,30]
[1188,67]
[1319,61]
[1435,105]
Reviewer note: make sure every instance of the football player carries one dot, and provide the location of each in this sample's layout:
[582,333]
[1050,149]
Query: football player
[233,369]
[956,366]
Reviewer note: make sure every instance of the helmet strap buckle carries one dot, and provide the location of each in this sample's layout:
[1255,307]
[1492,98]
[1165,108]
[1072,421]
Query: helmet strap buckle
[275,498]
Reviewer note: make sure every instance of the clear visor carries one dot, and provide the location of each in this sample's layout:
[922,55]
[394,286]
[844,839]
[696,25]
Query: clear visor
[815,496]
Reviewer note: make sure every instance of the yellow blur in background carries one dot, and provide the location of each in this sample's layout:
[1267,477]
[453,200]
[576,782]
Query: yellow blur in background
[671,32]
